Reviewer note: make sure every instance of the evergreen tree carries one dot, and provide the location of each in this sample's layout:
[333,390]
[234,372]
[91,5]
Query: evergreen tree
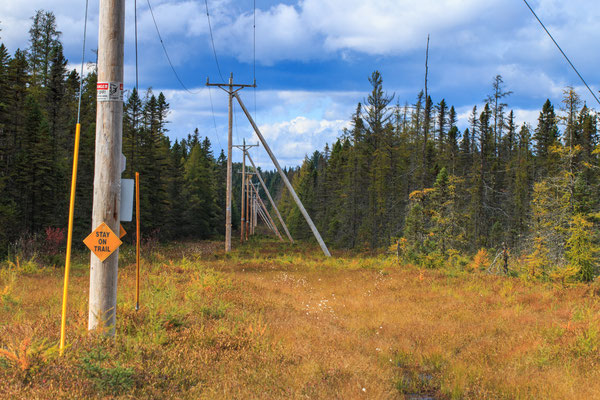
[546,135]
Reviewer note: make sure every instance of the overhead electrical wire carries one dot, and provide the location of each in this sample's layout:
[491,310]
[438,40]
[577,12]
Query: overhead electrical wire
[212,40]
[562,52]
[254,56]
[212,109]
[137,89]
[167,53]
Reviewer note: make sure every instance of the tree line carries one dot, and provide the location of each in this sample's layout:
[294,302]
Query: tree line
[400,174]
[182,183]
[406,174]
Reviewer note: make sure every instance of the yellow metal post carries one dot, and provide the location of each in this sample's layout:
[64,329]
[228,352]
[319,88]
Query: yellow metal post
[137,241]
[63,321]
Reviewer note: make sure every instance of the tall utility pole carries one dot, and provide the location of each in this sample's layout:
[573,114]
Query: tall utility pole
[267,214]
[262,182]
[247,207]
[228,87]
[244,147]
[285,180]
[243,213]
[107,169]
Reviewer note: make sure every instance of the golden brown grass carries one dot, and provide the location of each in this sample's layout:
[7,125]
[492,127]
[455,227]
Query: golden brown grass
[277,321]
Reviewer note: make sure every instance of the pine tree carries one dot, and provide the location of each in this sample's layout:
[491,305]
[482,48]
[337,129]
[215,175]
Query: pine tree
[546,135]
[582,249]
[43,38]
[497,109]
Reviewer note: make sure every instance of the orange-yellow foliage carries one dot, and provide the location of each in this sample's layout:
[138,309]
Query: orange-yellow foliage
[481,260]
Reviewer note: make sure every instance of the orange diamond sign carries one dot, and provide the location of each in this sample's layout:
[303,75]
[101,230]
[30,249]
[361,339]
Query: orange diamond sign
[122,232]
[102,241]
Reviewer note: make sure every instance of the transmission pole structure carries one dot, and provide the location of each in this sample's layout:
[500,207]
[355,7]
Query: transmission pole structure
[244,147]
[107,168]
[229,89]
[285,180]
[270,219]
[262,182]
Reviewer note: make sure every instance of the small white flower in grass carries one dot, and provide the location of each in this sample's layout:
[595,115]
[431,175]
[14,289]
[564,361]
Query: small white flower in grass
[377,349]
[364,390]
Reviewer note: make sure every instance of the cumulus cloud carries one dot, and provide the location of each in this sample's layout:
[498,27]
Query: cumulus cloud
[294,123]
[471,41]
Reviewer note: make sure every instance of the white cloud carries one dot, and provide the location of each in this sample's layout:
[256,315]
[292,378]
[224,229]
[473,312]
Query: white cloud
[294,123]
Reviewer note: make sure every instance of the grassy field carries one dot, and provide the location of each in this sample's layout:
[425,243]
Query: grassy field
[278,321]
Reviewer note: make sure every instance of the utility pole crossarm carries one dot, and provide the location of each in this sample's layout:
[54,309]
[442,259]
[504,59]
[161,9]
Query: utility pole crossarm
[221,85]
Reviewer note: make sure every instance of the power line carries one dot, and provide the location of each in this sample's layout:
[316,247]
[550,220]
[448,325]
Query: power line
[213,41]
[562,52]
[254,44]
[137,89]
[254,57]
[166,53]
[212,109]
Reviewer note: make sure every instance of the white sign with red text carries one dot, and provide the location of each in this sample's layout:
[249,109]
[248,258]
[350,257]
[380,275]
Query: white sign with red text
[109,91]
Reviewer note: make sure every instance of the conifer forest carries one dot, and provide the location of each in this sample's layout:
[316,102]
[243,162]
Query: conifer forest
[402,173]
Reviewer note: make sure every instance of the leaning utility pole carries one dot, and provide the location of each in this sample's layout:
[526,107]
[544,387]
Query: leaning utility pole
[244,149]
[287,232]
[228,87]
[285,180]
[107,169]
[267,214]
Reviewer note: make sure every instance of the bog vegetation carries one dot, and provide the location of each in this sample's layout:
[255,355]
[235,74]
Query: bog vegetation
[279,321]
[418,213]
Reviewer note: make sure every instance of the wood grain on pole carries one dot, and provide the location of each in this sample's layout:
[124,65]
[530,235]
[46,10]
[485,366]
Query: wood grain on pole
[243,196]
[262,182]
[107,169]
[247,209]
[285,180]
[229,166]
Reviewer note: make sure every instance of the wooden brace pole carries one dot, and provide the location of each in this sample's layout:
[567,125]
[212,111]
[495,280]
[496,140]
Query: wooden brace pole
[286,181]
[268,214]
[285,228]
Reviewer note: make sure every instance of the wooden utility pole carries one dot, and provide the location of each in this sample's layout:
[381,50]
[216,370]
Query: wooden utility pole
[244,147]
[285,180]
[268,214]
[247,207]
[107,169]
[253,211]
[243,213]
[257,172]
[228,87]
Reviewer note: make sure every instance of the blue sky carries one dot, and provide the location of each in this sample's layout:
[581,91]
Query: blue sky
[313,57]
